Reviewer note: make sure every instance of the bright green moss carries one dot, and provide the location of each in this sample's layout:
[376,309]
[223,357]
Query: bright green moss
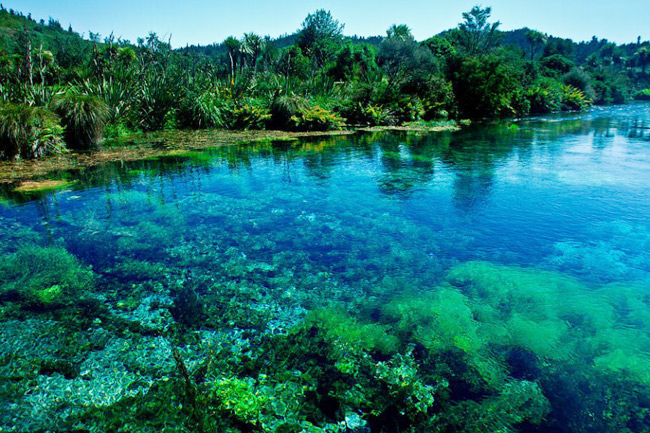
[342,327]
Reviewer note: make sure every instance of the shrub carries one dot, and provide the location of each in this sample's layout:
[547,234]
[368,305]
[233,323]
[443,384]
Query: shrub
[156,102]
[283,108]
[580,80]
[549,95]
[84,117]
[28,132]
[574,99]
[199,111]
[610,88]
[296,113]
[316,118]
[358,113]
[438,99]
[544,97]
[643,95]
[486,86]
[407,109]
[555,65]
[250,115]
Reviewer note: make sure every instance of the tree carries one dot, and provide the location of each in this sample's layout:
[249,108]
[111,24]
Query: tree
[399,32]
[292,63]
[610,54]
[402,59]
[354,61]
[440,47]
[563,47]
[536,41]
[320,36]
[252,46]
[486,86]
[232,45]
[477,36]
[642,58]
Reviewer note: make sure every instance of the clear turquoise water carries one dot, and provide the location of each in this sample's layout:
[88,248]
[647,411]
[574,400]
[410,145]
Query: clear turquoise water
[488,243]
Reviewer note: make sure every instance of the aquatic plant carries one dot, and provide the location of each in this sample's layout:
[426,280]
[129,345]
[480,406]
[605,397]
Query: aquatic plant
[344,328]
[503,322]
[45,276]
[84,118]
[518,403]
[108,371]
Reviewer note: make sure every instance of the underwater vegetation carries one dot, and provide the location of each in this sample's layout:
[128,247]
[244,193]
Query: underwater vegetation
[380,283]
[44,276]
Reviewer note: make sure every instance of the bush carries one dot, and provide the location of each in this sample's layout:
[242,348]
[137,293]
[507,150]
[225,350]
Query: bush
[296,113]
[157,100]
[200,111]
[316,118]
[545,97]
[556,65]
[643,95]
[360,114]
[610,88]
[580,80]
[28,132]
[486,86]
[574,99]
[250,115]
[284,108]
[549,96]
[438,99]
[84,118]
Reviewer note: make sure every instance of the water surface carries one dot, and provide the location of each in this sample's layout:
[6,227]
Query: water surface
[506,262]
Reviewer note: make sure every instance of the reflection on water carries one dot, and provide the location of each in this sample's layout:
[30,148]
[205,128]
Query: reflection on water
[491,279]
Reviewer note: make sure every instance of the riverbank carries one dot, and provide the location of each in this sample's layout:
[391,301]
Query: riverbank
[161,143]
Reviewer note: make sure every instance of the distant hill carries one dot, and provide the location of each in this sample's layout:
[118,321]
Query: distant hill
[66,45]
[217,49]
[577,51]
[69,46]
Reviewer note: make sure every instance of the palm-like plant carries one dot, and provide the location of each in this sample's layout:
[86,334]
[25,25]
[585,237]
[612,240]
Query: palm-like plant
[252,46]
[232,45]
[84,117]
[28,132]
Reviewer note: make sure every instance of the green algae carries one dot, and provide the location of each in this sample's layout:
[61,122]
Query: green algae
[44,275]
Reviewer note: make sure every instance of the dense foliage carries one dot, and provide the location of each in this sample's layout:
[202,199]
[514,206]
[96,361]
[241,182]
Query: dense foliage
[472,71]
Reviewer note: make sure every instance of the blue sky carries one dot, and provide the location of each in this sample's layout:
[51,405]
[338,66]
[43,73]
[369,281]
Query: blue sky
[204,22]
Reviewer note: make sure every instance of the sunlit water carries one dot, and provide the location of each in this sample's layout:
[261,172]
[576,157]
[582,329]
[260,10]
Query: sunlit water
[532,238]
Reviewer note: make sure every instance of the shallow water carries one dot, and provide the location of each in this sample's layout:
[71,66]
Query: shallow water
[522,252]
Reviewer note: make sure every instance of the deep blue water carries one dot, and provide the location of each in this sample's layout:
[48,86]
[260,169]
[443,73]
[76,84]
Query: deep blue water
[487,192]
[361,220]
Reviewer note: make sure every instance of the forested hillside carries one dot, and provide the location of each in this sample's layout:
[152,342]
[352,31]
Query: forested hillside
[59,90]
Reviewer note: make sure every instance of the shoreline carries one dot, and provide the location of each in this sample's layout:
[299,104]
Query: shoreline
[160,143]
